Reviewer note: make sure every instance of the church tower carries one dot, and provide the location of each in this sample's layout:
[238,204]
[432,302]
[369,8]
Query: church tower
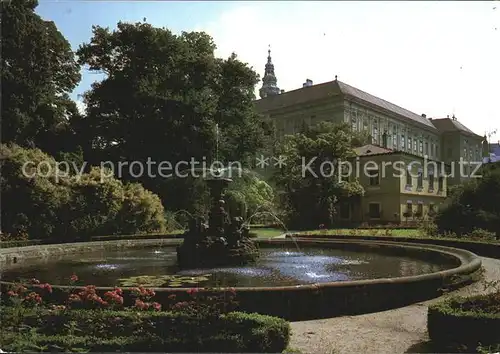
[269,82]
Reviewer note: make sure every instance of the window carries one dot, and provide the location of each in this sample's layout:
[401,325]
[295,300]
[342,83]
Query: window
[403,143]
[394,137]
[431,209]
[440,183]
[465,153]
[409,209]
[409,143]
[421,146]
[374,210]
[345,211]
[374,176]
[420,209]
[365,124]
[375,132]
[354,124]
[415,145]
[420,180]
[408,178]
[431,181]
[432,150]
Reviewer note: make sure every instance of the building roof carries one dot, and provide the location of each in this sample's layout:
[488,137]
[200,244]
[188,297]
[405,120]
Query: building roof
[370,149]
[452,125]
[336,88]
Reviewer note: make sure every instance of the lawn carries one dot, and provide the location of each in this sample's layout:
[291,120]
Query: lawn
[369,232]
[267,232]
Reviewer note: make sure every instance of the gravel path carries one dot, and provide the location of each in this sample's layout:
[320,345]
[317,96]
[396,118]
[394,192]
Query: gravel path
[402,330]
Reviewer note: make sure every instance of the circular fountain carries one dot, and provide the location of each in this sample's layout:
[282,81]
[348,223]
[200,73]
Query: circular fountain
[223,242]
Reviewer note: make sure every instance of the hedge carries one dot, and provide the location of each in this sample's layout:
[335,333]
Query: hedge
[127,331]
[465,321]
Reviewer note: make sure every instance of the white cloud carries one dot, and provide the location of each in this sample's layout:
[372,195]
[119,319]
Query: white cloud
[438,58]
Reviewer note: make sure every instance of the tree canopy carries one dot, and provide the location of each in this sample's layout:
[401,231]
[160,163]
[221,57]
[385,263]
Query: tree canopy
[162,98]
[310,179]
[38,72]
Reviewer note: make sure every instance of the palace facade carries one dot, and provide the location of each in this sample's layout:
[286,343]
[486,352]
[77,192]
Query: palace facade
[396,133]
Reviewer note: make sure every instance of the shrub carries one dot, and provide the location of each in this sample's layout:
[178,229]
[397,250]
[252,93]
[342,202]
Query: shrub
[110,331]
[481,235]
[53,207]
[141,211]
[465,322]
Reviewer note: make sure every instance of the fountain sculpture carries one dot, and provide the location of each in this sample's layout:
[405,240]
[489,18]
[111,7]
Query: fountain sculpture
[222,242]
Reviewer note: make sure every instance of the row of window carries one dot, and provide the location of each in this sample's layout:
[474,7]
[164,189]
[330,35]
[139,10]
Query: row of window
[375,180]
[374,210]
[412,144]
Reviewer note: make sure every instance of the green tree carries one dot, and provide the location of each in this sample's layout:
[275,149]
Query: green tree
[312,189]
[43,205]
[473,205]
[38,72]
[163,96]
[249,194]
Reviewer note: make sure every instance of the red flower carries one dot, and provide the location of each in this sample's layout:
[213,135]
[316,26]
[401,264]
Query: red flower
[47,287]
[119,291]
[193,291]
[73,278]
[74,298]
[141,305]
[12,293]
[156,306]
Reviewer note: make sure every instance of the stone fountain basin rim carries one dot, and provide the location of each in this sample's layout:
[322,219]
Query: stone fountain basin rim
[469,262]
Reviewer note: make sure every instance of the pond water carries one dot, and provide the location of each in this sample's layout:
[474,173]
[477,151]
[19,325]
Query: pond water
[277,266]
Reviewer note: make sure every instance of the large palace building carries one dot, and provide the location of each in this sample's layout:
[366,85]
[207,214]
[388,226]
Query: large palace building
[395,133]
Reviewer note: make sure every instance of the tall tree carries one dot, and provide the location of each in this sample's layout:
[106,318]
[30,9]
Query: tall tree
[163,96]
[310,176]
[38,72]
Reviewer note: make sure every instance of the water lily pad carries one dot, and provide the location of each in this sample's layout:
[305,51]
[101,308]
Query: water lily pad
[163,280]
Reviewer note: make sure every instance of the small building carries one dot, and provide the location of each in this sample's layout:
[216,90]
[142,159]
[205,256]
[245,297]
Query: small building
[399,187]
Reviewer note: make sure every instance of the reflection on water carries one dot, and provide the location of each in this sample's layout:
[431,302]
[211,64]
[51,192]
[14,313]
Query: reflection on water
[276,266]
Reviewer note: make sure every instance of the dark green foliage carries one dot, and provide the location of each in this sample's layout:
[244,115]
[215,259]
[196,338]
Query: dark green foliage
[106,331]
[162,98]
[465,322]
[474,205]
[38,72]
[67,208]
[311,198]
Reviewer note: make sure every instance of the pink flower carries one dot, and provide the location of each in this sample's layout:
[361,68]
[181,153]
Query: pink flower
[12,293]
[156,306]
[193,291]
[74,278]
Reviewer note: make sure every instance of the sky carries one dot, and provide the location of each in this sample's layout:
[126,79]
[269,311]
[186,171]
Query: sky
[438,58]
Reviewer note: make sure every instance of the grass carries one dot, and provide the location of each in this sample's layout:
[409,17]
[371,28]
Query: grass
[368,232]
[403,233]
[267,232]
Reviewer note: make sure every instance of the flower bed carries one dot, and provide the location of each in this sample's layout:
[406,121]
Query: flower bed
[465,322]
[87,321]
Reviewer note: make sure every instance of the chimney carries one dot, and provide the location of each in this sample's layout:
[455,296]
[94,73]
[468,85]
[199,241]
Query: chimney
[308,83]
[424,115]
[282,91]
